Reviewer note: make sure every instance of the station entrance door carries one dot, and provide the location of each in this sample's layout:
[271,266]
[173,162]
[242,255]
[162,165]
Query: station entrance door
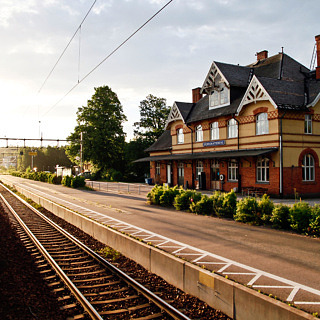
[215,175]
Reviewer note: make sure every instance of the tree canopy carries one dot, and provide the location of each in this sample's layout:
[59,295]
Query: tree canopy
[101,124]
[153,116]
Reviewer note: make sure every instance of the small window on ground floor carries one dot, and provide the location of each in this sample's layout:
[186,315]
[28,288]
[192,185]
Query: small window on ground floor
[158,168]
[233,170]
[263,170]
[199,168]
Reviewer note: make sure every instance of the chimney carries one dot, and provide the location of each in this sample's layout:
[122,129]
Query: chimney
[196,95]
[318,57]
[262,55]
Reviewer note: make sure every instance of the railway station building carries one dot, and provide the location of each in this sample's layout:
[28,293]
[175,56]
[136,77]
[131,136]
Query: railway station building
[248,128]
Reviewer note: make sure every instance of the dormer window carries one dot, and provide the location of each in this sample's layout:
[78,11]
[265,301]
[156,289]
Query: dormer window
[219,97]
[199,133]
[180,137]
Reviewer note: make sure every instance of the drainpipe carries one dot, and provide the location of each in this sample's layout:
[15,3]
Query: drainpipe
[191,154]
[281,157]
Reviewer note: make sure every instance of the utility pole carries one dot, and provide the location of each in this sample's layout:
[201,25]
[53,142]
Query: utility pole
[81,152]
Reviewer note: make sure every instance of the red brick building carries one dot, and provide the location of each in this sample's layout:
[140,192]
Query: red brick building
[254,127]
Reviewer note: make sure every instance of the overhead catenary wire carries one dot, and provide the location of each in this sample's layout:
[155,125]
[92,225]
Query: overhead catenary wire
[65,49]
[108,56]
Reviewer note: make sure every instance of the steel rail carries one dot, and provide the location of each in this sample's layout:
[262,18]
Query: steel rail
[78,295]
[163,305]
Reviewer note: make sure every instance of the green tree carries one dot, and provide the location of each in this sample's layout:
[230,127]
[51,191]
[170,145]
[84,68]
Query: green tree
[101,125]
[45,160]
[134,149]
[153,117]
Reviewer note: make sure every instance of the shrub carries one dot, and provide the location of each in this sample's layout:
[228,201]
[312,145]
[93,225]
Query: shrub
[229,205]
[168,195]
[315,220]
[78,182]
[300,215]
[204,206]
[155,194]
[184,198]
[217,203]
[66,181]
[265,208]
[280,217]
[247,211]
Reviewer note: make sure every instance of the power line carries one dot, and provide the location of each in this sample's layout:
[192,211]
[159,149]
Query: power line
[108,56]
[65,49]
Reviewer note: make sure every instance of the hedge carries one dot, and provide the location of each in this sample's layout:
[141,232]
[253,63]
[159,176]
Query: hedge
[301,217]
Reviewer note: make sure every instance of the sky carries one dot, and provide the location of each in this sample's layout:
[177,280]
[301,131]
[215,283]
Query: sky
[169,57]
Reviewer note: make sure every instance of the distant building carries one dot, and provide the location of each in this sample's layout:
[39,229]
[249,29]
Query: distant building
[254,127]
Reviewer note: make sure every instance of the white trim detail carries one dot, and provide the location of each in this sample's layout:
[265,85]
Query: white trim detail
[255,92]
[212,74]
[314,102]
[174,115]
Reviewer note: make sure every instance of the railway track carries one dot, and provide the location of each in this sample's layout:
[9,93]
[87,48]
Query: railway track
[88,286]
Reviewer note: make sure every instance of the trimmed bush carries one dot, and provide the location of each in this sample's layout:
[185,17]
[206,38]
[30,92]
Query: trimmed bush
[217,203]
[300,216]
[265,207]
[78,182]
[168,195]
[155,194]
[280,217]
[66,181]
[204,206]
[184,198]
[229,205]
[315,220]
[248,211]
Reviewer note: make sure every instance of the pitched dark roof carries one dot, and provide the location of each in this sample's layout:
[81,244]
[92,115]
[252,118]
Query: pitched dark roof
[236,75]
[184,108]
[201,109]
[163,143]
[285,93]
[280,66]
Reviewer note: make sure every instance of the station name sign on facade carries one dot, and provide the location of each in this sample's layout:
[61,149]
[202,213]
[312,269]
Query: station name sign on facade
[214,143]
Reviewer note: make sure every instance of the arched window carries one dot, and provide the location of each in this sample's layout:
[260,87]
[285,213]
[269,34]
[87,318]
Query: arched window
[199,133]
[214,131]
[262,123]
[232,128]
[308,168]
[263,170]
[180,136]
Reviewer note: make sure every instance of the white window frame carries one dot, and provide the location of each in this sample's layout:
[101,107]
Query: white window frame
[308,124]
[262,123]
[220,97]
[263,170]
[199,133]
[158,168]
[308,168]
[233,170]
[180,136]
[214,131]
[232,128]
[199,168]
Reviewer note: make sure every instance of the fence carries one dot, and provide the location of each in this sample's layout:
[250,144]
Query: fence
[119,187]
